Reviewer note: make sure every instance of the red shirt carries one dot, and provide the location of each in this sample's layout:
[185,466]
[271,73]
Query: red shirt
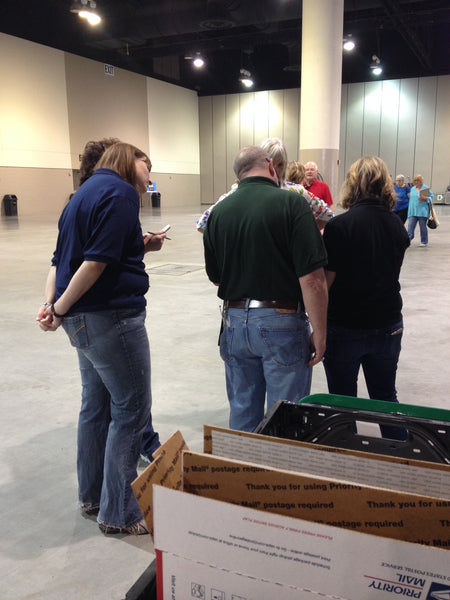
[321,190]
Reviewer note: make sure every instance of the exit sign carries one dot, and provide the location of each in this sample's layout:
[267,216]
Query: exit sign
[109,70]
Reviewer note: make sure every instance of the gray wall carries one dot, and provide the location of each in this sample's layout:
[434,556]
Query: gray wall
[406,122]
[58,101]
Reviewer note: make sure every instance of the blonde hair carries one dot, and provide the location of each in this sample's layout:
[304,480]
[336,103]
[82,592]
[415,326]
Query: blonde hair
[368,177]
[418,178]
[121,158]
[295,172]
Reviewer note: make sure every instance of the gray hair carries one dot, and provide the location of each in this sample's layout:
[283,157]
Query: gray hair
[249,158]
[400,177]
[276,150]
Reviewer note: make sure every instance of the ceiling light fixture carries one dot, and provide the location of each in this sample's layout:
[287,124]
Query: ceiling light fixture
[375,65]
[246,78]
[348,43]
[87,9]
[197,60]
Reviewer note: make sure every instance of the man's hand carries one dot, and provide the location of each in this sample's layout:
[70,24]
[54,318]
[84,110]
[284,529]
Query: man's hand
[315,296]
[317,346]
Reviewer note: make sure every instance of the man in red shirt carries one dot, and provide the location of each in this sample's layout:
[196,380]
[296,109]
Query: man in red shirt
[316,187]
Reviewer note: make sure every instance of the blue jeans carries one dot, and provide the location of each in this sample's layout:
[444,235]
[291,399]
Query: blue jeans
[265,352]
[114,359]
[150,441]
[412,222]
[376,350]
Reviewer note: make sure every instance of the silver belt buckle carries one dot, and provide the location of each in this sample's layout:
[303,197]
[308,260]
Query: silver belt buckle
[254,304]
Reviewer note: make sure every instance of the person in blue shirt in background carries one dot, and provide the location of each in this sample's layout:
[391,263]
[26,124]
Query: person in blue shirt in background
[419,209]
[402,190]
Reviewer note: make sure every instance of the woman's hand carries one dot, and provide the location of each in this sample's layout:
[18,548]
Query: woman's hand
[46,319]
[154,241]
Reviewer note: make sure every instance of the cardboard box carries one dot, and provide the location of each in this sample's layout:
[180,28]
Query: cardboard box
[380,495]
[367,509]
[400,474]
[263,541]
[210,549]
[165,470]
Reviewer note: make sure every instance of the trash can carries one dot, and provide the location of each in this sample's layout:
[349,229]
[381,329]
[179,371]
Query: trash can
[156,199]
[9,205]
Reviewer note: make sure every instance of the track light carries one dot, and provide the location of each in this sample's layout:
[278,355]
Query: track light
[246,78]
[86,9]
[375,65]
[197,60]
[348,43]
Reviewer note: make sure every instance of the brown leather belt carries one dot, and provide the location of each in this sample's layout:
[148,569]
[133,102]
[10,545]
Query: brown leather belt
[249,303]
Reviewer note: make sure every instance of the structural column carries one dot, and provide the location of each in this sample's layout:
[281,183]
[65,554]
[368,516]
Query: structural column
[321,82]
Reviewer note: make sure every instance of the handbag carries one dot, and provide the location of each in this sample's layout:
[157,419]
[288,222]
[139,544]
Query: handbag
[433,221]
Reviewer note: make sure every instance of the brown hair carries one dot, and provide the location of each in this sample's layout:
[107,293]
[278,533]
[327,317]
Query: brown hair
[121,158]
[368,177]
[295,172]
[92,153]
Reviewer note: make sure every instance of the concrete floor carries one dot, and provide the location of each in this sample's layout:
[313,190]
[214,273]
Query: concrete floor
[47,549]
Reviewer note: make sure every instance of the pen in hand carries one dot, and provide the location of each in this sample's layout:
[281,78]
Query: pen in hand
[153,233]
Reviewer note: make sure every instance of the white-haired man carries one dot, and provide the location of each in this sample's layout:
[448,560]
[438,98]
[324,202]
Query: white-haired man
[314,185]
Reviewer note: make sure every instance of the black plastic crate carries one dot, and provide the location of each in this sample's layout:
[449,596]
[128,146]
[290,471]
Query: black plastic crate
[404,436]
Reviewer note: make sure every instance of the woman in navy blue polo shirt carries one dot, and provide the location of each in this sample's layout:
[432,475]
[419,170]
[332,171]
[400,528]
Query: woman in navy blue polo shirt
[96,290]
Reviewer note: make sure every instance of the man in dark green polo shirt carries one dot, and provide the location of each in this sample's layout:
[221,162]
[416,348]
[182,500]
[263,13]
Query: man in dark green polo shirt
[265,252]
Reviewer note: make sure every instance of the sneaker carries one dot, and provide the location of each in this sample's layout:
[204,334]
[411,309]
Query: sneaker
[139,528]
[89,509]
[423,245]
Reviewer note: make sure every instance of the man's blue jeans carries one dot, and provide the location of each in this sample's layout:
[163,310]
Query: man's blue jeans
[376,350]
[114,359]
[265,351]
[412,222]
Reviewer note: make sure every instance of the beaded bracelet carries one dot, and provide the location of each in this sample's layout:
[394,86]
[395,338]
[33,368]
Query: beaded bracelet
[54,313]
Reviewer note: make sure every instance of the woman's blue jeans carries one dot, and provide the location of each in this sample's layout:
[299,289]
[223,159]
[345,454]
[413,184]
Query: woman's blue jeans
[114,359]
[412,222]
[266,352]
[375,350]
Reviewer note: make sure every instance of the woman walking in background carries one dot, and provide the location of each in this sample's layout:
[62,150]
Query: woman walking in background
[402,190]
[419,209]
